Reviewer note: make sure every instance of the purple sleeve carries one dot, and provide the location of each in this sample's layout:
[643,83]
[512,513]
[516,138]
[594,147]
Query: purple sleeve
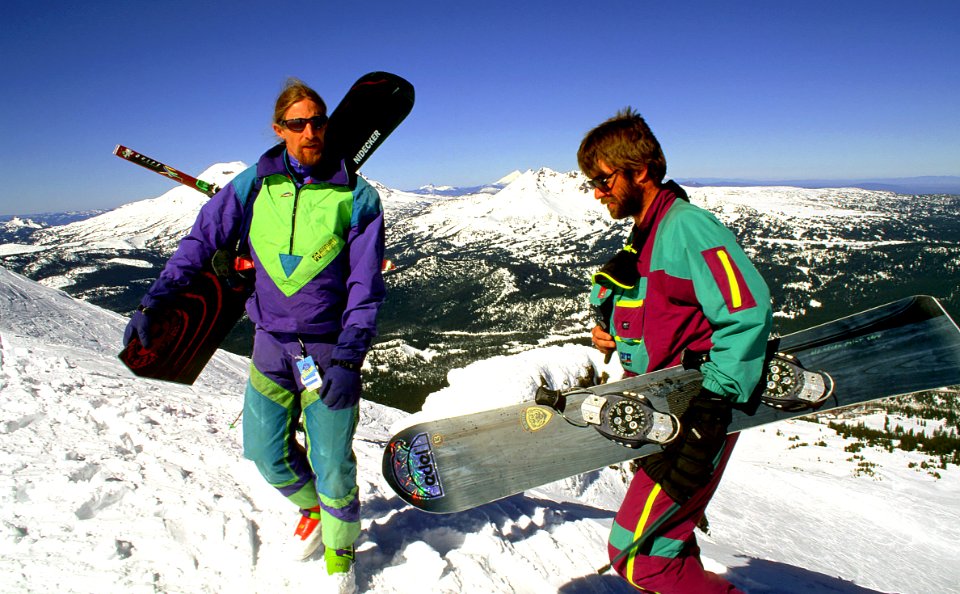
[218,225]
[365,287]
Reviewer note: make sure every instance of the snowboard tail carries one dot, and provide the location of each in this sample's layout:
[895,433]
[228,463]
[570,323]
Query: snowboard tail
[373,108]
[458,463]
[195,321]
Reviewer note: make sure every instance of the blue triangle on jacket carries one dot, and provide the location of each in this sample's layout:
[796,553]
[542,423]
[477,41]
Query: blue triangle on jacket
[289,263]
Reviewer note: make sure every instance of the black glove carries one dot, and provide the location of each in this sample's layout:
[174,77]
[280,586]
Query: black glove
[341,381]
[686,465]
[139,324]
[621,269]
[341,387]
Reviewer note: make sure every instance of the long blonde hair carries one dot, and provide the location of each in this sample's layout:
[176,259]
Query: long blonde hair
[294,90]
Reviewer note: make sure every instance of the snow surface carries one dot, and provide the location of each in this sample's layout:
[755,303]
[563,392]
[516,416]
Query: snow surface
[111,483]
[12,249]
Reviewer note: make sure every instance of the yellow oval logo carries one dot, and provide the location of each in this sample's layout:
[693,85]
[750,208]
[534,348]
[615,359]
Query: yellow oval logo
[535,418]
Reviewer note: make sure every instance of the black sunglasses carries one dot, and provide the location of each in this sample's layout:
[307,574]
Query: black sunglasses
[602,183]
[300,124]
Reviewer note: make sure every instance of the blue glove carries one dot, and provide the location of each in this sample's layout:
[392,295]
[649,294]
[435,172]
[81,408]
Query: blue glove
[341,387]
[139,323]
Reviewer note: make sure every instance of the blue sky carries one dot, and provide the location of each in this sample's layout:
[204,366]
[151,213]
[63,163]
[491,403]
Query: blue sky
[759,90]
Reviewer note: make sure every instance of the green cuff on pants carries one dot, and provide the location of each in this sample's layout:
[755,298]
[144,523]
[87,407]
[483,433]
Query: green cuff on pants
[339,533]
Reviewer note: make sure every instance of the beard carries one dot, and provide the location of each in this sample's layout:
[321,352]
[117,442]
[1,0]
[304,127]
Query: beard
[310,156]
[628,202]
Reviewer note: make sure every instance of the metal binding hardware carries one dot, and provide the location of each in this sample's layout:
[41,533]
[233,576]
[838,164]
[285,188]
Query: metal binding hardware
[629,419]
[790,387]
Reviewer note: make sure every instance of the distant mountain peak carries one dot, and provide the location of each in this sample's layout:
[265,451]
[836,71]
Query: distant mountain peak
[222,173]
[19,223]
[508,178]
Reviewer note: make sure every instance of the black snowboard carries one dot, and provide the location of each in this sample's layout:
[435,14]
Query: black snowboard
[193,324]
[458,463]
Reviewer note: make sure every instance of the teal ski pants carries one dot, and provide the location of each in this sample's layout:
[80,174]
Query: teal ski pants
[323,469]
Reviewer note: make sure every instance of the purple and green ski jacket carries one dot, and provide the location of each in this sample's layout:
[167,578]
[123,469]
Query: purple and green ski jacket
[317,247]
[693,289]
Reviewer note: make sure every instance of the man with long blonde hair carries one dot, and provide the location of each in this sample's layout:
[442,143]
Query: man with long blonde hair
[317,245]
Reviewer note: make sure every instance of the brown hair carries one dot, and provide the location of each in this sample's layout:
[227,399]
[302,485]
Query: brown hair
[294,90]
[624,142]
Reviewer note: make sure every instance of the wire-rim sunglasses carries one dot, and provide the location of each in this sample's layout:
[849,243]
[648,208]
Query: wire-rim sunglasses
[602,183]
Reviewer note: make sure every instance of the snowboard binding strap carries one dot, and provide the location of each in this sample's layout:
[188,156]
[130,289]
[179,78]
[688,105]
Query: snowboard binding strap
[557,400]
[786,385]
[792,388]
[628,419]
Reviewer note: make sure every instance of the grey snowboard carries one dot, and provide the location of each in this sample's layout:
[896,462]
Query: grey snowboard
[458,463]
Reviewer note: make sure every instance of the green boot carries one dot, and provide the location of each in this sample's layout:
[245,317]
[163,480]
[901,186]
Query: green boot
[340,568]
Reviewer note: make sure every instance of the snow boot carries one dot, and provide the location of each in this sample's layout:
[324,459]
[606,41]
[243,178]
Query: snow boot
[340,569]
[307,535]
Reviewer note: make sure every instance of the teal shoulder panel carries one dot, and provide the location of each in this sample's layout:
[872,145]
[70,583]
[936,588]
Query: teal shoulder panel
[243,184]
[366,204]
[692,227]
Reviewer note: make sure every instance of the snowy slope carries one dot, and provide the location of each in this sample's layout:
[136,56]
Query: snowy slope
[539,214]
[112,483]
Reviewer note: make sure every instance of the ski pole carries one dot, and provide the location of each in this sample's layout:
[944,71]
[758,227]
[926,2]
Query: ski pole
[165,170]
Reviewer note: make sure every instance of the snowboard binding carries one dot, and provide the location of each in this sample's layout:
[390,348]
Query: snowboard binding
[786,385]
[629,419]
[792,388]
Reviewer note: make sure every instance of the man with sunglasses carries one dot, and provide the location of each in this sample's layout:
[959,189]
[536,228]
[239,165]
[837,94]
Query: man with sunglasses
[317,245]
[681,285]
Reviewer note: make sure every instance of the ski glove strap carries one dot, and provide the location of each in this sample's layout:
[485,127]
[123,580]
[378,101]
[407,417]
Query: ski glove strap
[347,364]
[139,325]
[687,464]
[341,387]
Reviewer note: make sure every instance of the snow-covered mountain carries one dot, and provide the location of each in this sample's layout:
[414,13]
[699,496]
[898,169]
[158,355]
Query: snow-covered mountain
[506,267]
[435,190]
[156,223]
[112,483]
[485,274]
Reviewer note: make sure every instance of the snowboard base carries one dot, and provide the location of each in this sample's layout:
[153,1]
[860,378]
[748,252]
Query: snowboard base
[458,463]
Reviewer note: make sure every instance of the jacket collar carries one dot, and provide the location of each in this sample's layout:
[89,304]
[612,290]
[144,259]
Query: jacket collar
[276,161]
[661,204]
